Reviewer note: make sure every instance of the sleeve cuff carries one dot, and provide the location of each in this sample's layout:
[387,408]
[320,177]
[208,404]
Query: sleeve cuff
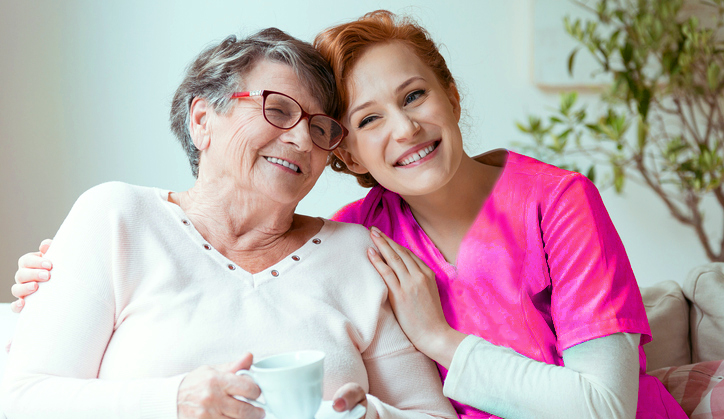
[158,397]
[459,361]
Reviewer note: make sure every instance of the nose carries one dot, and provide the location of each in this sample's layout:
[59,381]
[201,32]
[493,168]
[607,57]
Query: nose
[299,136]
[405,127]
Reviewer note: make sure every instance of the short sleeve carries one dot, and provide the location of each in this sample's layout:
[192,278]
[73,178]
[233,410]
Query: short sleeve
[594,291]
[350,213]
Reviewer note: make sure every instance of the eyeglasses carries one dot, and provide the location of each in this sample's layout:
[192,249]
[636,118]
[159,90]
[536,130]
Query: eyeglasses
[284,112]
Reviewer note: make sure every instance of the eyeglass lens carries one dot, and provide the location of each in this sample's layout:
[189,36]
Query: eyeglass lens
[283,112]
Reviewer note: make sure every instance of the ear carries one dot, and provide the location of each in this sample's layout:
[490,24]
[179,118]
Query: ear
[199,123]
[454,97]
[349,161]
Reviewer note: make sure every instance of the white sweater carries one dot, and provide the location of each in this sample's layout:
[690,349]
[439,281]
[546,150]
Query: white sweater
[139,298]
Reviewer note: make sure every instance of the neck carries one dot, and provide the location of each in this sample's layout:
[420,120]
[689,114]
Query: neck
[236,221]
[450,210]
[459,198]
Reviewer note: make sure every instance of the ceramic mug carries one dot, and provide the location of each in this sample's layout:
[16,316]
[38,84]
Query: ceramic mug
[290,383]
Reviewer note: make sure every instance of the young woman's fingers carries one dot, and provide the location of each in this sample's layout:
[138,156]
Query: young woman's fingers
[44,245]
[389,251]
[17,305]
[34,260]
[387,273]
[420,264]
[24,275]
[23,290]
[394,251]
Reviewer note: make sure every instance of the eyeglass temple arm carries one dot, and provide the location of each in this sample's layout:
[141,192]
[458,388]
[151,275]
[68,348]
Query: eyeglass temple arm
[247,94]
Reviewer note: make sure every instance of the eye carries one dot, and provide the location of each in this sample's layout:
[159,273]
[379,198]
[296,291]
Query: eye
[276,111]
[367,120]
[414,96]
[318,130]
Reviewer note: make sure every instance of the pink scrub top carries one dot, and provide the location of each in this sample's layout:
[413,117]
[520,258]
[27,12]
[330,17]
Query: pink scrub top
[540,270]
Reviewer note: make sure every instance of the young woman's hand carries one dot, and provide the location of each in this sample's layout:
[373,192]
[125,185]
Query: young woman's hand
[32,268]
[414,298]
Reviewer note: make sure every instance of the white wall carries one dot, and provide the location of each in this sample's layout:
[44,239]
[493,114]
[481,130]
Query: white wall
[85,88]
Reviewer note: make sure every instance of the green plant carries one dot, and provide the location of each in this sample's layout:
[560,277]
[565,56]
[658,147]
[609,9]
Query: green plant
[662,122]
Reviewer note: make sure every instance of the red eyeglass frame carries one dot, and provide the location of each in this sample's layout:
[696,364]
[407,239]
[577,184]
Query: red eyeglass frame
[305,114]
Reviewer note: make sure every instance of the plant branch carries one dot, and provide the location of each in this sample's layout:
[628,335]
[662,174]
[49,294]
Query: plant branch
[698,224]
[692,126]
[656,187]
[677,146]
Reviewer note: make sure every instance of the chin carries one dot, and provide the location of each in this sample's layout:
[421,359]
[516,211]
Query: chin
[421,187]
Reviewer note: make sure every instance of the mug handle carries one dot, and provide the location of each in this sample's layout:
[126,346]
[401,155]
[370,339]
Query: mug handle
[255,403]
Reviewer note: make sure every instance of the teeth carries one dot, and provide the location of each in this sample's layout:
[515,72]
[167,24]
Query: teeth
[283,163]
[418,155]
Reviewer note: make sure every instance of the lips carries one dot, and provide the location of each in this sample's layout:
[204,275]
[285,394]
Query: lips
[417,154]
[281,162]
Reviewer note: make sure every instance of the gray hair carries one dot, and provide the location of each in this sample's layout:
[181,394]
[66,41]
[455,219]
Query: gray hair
[219,71]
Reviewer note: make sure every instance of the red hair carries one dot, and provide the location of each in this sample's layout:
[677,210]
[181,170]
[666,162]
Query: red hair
[342,46]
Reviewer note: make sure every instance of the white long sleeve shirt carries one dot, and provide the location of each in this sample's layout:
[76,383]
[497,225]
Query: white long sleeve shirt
[139,298]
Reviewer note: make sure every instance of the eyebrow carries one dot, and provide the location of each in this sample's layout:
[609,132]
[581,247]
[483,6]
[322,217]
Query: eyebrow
[401,87]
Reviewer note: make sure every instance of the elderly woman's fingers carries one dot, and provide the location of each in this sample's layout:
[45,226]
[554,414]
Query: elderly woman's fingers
[233,408]
[243,363]
[348,396]
[23,290]
[209,392]
[17,305]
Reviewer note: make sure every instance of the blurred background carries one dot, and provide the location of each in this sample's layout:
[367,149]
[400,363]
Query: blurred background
[85,88]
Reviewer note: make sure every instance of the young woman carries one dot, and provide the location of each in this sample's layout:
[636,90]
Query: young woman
[523,258]
[509,272]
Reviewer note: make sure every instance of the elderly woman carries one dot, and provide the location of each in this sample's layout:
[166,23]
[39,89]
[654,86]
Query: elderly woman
[153,286]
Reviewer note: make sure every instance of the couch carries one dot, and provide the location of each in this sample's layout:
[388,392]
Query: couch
[687,323]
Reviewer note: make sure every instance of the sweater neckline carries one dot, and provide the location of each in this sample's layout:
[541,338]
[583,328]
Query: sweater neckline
[277,270]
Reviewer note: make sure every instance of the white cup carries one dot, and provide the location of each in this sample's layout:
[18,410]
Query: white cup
[290,383]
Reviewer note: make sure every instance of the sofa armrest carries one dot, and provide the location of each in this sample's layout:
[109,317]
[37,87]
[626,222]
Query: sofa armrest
[668,313]
[704,287]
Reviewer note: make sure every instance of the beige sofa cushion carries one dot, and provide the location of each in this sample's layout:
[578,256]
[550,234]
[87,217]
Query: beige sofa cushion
[668,313]
[699,388]
[704,287]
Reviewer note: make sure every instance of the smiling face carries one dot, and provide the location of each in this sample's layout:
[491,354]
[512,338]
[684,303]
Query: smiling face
[241,147]
[403,124]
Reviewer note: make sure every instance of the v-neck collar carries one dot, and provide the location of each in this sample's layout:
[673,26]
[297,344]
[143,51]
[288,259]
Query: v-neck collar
[493,158]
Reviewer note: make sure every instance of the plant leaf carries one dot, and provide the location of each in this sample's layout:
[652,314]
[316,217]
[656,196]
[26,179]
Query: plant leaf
[571,58]
[591,174]
[712,76]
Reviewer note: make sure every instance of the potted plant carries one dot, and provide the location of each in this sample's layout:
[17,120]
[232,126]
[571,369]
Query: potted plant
[662,122]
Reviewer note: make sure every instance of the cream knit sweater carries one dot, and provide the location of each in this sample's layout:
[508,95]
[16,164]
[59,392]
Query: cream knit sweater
[139,298]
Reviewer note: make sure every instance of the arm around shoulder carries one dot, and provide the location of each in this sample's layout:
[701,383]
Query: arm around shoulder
[64,330]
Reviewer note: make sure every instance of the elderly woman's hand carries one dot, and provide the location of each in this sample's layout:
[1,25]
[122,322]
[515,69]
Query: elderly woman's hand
[32,268]
[348,396]
[208,392]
